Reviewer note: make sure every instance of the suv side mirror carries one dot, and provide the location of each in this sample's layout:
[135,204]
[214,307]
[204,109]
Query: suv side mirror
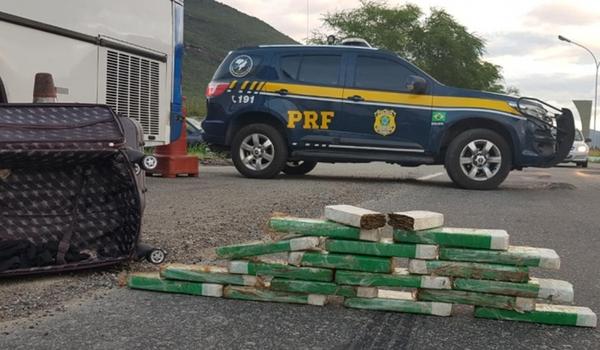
[588,140]
[416,85]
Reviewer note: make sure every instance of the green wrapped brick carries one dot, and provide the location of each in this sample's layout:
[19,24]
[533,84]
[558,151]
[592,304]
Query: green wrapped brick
[255,294]
[560,315]
[456,237]
[515,255]
[283,271]
[207,274]
[322,228]
[252,249]
[342,261]
[399,278]
[478,299]
[275,258]
[153,282]
[323,288]
[399,305]
[539,288]
[382,249]
[469,270]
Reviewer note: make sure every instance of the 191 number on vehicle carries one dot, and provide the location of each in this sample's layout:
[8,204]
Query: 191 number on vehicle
[242,99]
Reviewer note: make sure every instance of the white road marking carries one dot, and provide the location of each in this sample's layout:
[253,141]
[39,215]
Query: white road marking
[429,177]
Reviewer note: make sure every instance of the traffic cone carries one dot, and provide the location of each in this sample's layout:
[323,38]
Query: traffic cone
[173,159]
[44,90]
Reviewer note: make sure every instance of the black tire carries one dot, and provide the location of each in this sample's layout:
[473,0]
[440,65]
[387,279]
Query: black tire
[584,164]
[499,170]
[278,153]
[301,167]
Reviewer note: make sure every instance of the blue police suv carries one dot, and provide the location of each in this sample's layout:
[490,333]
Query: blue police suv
[286,108]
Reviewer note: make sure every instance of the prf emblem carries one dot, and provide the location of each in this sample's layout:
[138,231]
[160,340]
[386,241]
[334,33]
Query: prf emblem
[385,122]
[310,119]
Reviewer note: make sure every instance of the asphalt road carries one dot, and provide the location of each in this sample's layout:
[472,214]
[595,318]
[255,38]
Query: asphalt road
[554,208]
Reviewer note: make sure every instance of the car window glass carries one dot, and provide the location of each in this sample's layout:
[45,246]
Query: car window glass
[289,67]
[320,69]
[578,136]
[195,123]
[252,61]
[381,74]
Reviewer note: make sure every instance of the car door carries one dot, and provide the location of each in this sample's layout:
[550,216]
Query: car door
[380,109]
[308,95]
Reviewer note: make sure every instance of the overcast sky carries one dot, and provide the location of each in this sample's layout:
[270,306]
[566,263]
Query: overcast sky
[521,36]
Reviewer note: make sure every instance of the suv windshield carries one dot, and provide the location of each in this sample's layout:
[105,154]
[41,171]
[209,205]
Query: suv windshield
[578,136]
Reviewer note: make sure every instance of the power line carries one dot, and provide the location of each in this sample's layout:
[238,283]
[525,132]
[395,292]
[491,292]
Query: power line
[307,19]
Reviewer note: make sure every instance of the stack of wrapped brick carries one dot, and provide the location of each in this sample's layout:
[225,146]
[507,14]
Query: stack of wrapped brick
[348,258]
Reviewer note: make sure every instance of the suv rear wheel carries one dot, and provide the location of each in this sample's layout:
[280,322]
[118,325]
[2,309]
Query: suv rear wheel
[300,167]
[478,159]
[259,151]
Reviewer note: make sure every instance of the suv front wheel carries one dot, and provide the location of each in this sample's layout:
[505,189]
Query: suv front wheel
[259,151]
[478,159]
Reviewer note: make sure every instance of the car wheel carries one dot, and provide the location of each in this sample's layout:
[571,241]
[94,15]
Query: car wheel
[259,151]
[300,167]
[478,159]
[584,164]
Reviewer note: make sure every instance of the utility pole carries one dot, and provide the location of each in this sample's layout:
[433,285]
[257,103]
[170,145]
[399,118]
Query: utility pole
[597,65]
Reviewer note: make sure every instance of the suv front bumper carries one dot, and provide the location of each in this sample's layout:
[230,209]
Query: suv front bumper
[549,142]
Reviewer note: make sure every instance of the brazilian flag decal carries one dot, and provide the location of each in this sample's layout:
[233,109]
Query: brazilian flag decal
[438,117]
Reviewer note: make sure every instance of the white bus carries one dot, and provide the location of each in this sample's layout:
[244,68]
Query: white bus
[124,53]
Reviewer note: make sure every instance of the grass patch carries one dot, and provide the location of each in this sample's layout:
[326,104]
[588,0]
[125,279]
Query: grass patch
[595,152]
[203,152]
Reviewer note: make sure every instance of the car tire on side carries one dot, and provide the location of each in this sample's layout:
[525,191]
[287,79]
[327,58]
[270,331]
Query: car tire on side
[259,151]
[584,164]
[478,159]
[301,167]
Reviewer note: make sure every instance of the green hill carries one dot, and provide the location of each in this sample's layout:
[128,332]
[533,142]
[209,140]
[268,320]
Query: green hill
[212,30]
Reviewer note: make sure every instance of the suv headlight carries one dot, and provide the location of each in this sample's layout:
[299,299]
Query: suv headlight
[582,149]
[532,109]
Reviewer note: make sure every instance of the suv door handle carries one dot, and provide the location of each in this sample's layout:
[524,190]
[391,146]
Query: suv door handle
[356,98]
[282,92]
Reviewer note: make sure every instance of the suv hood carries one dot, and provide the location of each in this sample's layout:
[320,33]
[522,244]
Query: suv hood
[460,92]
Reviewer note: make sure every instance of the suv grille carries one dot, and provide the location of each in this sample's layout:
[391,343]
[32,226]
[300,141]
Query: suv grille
[132,85]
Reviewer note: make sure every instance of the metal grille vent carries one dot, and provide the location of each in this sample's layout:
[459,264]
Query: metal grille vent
[132,85]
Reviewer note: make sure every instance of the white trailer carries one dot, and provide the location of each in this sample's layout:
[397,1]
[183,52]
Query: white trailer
[124,53]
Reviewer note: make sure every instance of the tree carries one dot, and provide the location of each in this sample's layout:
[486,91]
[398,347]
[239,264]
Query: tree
[438,44]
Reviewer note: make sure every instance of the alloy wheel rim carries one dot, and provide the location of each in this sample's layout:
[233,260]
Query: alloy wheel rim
[257,152]
[480,160]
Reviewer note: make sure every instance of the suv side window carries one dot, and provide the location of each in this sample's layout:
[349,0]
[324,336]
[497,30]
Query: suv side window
[312,69]
[224,70]
[320,69]
[380,74]
[290,66]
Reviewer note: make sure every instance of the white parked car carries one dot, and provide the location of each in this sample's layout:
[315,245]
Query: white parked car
[580,151]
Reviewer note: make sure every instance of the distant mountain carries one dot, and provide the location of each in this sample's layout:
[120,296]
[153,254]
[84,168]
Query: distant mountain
[212,30]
